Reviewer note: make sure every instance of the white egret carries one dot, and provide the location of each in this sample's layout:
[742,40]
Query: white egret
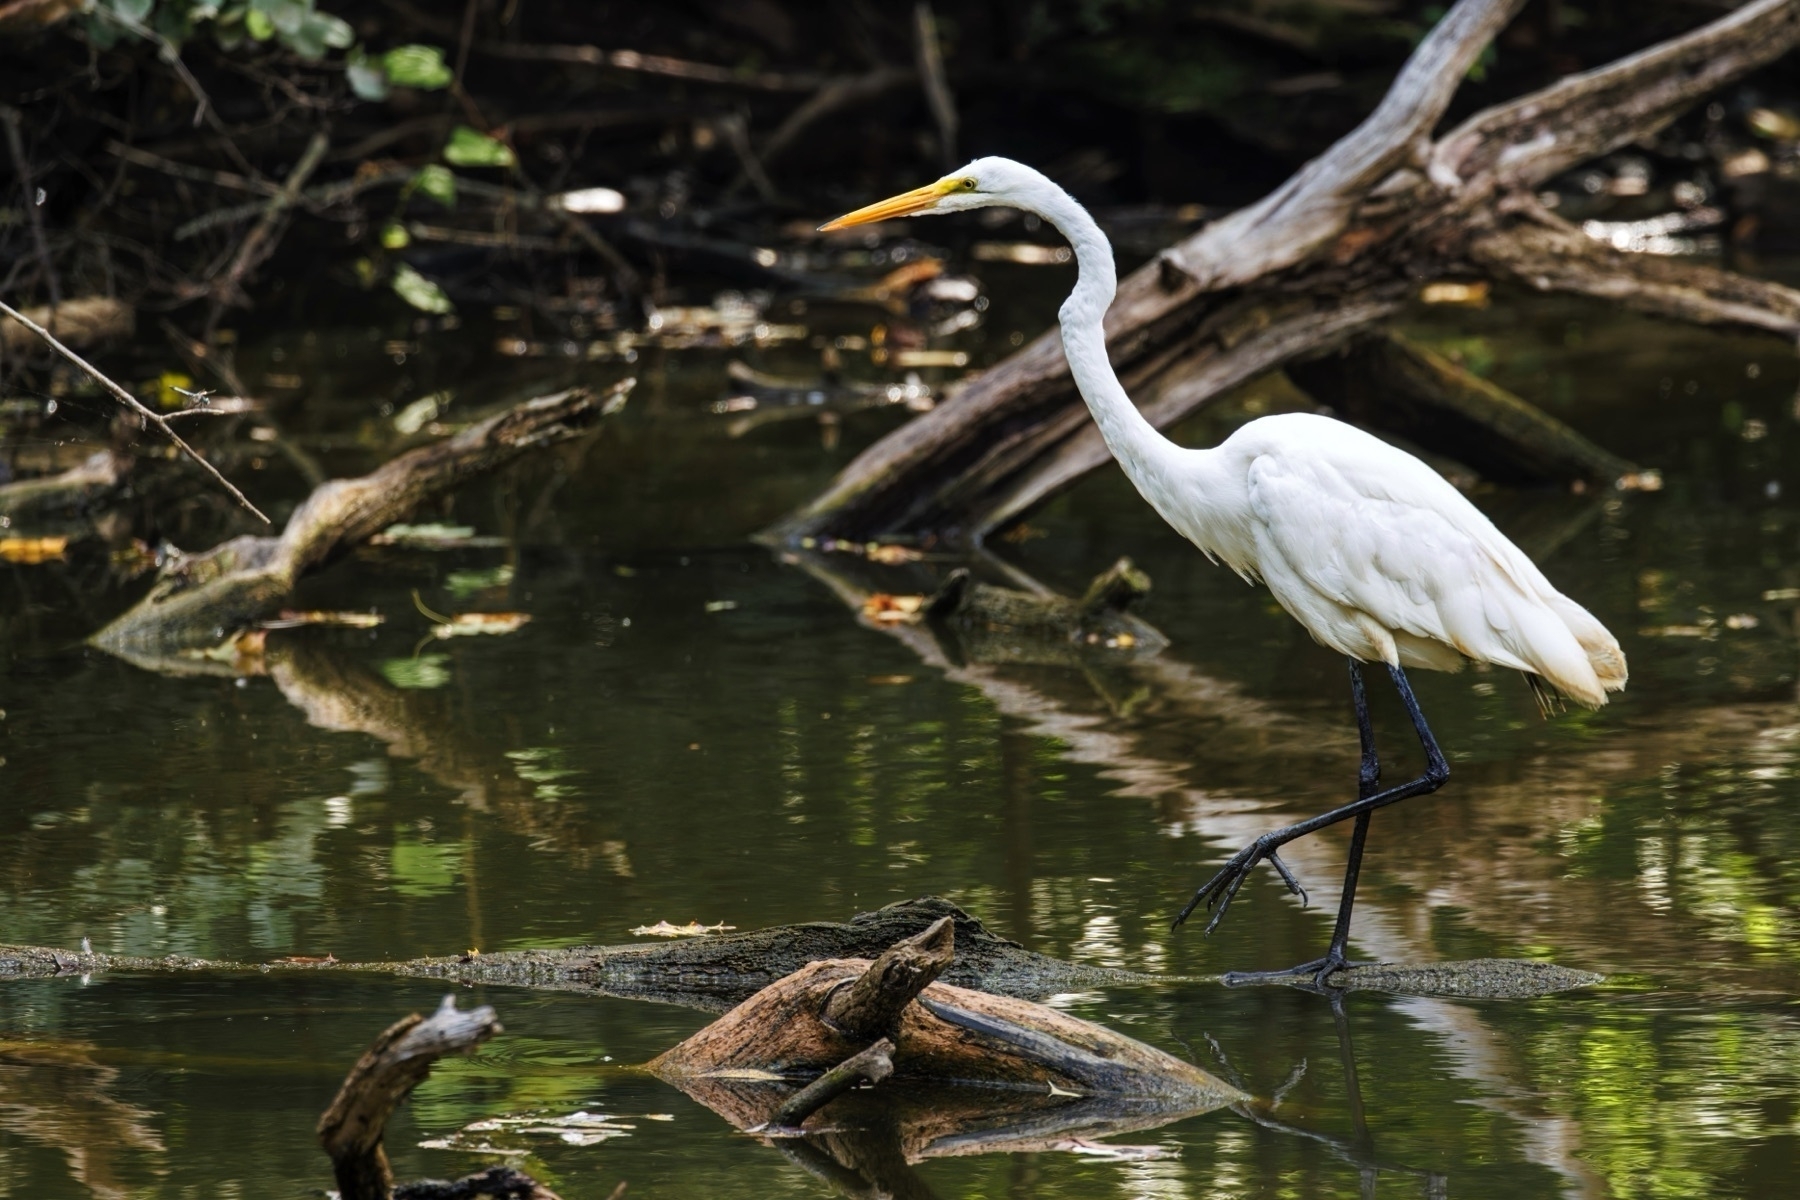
[1371,550]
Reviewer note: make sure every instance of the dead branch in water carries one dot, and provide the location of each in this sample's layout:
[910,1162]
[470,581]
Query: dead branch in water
[352,1129]
[197,600]
[1339,247]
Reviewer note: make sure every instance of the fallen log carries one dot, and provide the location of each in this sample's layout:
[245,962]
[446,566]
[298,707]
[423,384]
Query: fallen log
[1337,249]
[929,1035]
[1387,382]
[715,971]
[352,1129]
[198,600]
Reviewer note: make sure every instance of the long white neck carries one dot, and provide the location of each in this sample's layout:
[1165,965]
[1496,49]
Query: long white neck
[1147,457]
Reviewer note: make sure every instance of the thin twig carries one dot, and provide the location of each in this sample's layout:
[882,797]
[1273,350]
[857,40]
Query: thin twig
[737,134]
[937,86]
[16,147]
[874,1064]
[259,242]
[132,402]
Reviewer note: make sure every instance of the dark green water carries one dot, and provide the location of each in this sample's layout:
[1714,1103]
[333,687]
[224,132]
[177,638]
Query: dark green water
[691,730]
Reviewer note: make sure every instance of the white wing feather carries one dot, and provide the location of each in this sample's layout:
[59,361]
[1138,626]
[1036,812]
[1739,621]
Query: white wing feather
[1381,558]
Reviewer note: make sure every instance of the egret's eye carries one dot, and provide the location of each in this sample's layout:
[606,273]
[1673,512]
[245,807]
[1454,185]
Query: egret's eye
[969,185]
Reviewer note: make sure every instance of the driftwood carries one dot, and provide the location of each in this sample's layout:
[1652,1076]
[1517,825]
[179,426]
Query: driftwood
[1387,381]
[1341,246]
[198,600]
[716,971]
[972,1068]
[351,1130]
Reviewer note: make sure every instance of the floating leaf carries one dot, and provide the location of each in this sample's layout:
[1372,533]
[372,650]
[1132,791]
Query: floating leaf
[416,66]
[466,583]
[893,609]
[890,555]
[713,606]
[419,291]
[423,673]
[470,624]
[427,536]
[691,929]
[476,623]
[472,148]
[32,550]
[394,236]
[290,619]
[437,182]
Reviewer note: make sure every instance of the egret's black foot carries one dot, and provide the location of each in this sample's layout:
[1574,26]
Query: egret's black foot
[1219,891]
[1316,972]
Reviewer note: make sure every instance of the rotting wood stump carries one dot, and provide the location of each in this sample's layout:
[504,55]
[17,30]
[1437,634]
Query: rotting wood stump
[962,1068]
[199,600]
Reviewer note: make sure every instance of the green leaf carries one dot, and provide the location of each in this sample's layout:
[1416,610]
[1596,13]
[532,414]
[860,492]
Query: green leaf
[337,32]
[419,291]
[135,11]
[285,15]
[469,148]
[416,67]
[438,183]
[424,672]
[258,25]
[395,237]
[367,80]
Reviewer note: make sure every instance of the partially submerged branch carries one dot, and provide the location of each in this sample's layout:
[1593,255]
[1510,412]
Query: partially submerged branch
[715,971]
[197,598]
[352,1128]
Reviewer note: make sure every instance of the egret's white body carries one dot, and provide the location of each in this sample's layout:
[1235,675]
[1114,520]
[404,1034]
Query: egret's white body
[1372,551]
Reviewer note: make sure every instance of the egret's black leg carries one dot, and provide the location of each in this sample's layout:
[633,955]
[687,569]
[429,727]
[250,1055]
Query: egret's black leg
[1368,779]
[1218,891]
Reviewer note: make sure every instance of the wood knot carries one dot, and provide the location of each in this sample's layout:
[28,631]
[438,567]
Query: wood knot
[1171,276]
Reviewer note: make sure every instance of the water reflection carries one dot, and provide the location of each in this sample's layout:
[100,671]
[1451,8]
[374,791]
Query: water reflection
[637,754]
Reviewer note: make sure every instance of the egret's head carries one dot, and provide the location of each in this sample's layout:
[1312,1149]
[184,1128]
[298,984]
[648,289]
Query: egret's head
[984,182]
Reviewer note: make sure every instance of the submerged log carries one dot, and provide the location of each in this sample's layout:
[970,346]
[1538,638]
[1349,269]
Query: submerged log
[1008,625]
[1338,248]
[1388,382]
[198,600]
[715,971]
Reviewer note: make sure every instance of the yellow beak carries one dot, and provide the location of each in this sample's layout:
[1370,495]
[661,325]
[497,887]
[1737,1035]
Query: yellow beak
[906,203]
